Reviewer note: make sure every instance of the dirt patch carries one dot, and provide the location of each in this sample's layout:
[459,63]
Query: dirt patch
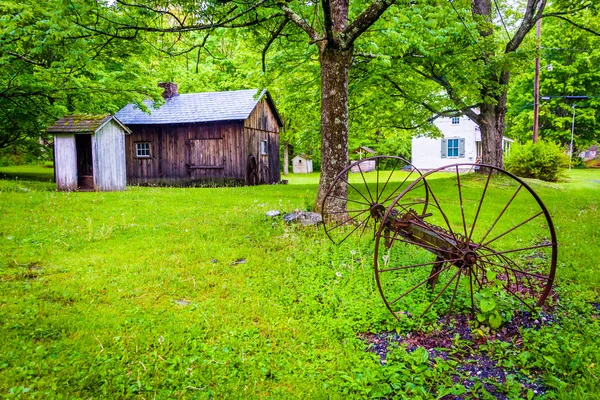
[456,340]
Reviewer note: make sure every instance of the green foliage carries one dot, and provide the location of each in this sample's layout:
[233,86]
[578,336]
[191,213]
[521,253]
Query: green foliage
[490,314]
[50,67]
[574,55]
[542,160]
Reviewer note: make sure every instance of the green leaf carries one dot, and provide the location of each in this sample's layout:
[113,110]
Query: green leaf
[495,321]
[487,305]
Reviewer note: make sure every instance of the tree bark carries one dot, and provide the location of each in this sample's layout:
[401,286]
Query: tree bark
[286,157]
[335,65]
[492,124]
[492,128]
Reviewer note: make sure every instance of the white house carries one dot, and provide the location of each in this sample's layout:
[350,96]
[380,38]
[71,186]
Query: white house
[461,143]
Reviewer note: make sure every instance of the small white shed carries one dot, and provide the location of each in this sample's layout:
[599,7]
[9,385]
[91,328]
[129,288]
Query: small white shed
[367,166]
[89,153]
[302,164]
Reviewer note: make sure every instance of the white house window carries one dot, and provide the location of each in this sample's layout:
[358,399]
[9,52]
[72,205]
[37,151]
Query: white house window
[455,120]
[263,148]
[142,149]
[452,148]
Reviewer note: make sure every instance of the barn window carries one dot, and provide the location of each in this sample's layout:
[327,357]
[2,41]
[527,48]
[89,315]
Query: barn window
[263,147]
[142,149]
[455,120]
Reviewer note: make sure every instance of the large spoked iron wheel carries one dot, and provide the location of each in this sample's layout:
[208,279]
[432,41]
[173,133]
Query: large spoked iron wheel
[486,245]
[358,197]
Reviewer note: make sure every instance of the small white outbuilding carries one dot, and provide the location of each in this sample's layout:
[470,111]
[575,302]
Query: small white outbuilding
[302,164]
[89,153]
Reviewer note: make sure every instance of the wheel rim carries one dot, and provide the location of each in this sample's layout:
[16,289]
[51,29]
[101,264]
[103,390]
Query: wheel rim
[371,188]
[500,254]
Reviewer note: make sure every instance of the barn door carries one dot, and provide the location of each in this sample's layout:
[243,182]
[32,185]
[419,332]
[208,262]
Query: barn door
[205,157]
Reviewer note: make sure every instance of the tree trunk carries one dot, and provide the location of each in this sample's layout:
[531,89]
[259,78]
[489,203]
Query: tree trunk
[286,157]
[492,129]
[492,125]
[335,65]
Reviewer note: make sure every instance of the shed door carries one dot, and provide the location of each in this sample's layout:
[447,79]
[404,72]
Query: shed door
[85,170]
[206,154]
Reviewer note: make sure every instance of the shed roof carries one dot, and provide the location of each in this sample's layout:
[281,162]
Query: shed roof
[364,148]
[83,123]
[304,156]
[199,107]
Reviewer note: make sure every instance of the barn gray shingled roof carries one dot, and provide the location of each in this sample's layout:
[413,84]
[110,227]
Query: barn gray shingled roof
[195,107]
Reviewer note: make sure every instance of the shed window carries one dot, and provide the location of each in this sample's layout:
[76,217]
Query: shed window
[455,120]
[142,149]
[263,148]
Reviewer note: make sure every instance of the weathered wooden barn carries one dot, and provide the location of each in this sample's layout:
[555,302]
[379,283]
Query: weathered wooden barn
[89,153]
[204,138]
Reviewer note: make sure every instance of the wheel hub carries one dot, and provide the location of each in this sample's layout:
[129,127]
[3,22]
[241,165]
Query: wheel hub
[377,210]
[470,258]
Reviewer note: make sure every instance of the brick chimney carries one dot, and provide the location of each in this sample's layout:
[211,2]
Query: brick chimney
[170,89]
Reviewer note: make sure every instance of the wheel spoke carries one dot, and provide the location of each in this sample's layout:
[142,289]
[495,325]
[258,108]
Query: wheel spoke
[403,240]
[442,291]
[513,228]
[353,201]
[441,211]
[517,270]
[344,212]
[353,230]
[399,186]
[487,182]
[460,198]
[377,164]
[502,213]
[346,221]
[453,295]
[515,250]
[415,265]
[471,287]
[389,177]
[420,284]
[362,232]
[519,298]
[365,182]
[357,191]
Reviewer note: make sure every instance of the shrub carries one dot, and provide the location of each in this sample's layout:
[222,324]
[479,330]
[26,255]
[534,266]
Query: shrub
[542,160]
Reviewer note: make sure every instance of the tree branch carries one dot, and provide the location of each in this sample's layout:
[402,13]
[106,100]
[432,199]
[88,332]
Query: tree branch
[327,21]
[529,20]
[556,15]
[300,22]
[365,20]
[272,38]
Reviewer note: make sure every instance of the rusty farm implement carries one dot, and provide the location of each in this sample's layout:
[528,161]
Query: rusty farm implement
[447,240]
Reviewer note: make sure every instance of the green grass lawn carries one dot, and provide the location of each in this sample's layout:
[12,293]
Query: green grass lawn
[193,293]
[28,172]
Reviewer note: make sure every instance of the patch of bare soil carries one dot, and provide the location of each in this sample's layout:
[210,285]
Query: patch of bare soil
[474,364]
